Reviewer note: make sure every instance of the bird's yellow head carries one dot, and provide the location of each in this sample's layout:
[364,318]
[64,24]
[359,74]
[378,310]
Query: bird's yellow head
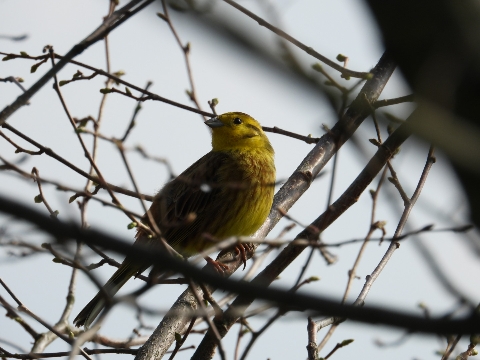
[237,131]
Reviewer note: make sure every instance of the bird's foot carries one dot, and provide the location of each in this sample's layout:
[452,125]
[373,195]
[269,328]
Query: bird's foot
[241,249]
[217,265]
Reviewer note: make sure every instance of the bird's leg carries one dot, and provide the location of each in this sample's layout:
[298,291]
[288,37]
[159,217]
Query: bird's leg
[217,265]
[241,249]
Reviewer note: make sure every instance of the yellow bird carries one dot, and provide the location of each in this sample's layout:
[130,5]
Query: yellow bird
[228,192]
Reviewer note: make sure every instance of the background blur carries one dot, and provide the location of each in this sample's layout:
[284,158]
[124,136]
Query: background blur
[240,63]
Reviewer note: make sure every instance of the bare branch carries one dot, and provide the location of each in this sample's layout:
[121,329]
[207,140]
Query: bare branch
[110,24]
[345,72]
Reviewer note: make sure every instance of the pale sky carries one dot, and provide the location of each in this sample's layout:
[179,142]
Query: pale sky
[145,49]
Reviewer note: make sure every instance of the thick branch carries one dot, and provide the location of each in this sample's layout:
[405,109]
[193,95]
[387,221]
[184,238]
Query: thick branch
[176,320]
[281,297]
[291,252]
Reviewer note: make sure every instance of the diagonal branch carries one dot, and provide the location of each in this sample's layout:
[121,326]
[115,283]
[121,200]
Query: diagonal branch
[344,71]
[280,297]
[177,318]
[206,348]
[117,18]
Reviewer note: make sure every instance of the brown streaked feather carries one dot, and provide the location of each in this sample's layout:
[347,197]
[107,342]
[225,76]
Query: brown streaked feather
[184,196]
[240,175]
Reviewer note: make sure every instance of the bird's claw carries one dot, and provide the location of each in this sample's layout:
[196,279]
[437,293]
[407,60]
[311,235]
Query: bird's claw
[217,265]
[241,249]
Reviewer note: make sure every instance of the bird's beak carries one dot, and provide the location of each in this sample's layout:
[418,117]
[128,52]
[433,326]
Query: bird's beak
[214,122]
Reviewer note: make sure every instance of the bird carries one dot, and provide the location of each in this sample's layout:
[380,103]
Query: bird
[227,192]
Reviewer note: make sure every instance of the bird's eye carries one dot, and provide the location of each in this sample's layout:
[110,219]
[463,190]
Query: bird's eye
[237,121]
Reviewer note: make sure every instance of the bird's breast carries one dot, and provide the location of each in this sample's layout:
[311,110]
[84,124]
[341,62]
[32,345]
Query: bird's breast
[251,192]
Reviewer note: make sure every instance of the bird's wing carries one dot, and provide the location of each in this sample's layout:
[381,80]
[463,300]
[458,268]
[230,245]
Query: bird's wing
[189,205]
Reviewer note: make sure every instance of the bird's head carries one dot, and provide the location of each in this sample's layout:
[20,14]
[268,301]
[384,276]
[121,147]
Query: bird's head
[236,130]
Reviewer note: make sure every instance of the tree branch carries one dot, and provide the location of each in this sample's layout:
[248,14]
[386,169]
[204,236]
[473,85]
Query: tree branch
[117,18]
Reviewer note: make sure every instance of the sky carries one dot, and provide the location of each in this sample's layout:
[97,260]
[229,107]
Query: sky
[145,50]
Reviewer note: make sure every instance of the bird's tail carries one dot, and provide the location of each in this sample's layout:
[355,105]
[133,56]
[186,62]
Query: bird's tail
[96,305]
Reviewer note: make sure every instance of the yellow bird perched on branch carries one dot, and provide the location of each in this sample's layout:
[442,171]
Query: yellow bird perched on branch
[228,192]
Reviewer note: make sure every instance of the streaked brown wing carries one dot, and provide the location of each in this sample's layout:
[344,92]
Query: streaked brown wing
[195,194]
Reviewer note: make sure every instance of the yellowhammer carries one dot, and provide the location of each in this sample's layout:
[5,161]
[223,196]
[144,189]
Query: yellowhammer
[228,192]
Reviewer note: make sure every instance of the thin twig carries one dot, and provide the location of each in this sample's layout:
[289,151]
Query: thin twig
[211,324]
[468,324]
[5,354]
[62,325]
[452,343]
[15,80]
[179,344]
[62,187]
[308,139]
[113,22]
[186,52]
[395,101]
[352,272]
[41,196]
[293,188]
[24,309]
[345,72]
[281,311]
[18,148]
[87,154]
[51,153]
[138,107]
